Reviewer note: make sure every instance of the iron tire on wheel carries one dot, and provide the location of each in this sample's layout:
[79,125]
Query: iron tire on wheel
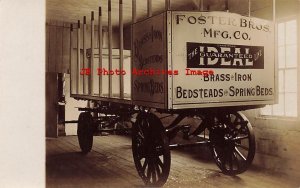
[85,132]
[150,149]
[232,143]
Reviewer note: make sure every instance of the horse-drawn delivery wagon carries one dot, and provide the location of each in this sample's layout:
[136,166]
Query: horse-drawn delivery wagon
[209,65]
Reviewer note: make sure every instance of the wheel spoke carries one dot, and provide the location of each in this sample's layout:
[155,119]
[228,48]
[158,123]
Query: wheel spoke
[145,165]
[141,135]
[140,131]
[240,137]
[153,173]
[239,153]
[148,176]
[160,163]
[217,156]
[157,169]
[241,146]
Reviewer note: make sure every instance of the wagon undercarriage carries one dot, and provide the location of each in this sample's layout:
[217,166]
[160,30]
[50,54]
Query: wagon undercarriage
[227,133]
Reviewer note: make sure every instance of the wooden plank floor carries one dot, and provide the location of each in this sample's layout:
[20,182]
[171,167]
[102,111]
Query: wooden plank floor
[110,164]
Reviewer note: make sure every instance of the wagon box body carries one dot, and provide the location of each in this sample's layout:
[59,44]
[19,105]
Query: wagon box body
[202,59]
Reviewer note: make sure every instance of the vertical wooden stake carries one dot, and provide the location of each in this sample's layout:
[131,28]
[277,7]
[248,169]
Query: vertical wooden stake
[84,52]
[100,48]
[78,59]
[149,8]
[71,66]
[109,49]
[201,5]
[133,11]
[91,80]
[249,8]
[121,49]
[226,6]
[274,11]
[167,5]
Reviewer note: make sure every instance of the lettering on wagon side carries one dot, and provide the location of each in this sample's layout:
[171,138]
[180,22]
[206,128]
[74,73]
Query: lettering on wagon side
[150,87]
[139,44]
[203,55]
[222,20]
[232,91]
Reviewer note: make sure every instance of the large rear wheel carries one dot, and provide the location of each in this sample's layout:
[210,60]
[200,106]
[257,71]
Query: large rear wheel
[150,149]
[232,143]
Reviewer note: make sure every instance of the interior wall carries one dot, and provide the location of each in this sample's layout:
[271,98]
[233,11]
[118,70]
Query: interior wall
[277,143]
[58,44]
[277,138]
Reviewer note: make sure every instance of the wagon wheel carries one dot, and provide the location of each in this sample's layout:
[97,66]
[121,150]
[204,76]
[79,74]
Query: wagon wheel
[150,149]
[232,143]
[85,132]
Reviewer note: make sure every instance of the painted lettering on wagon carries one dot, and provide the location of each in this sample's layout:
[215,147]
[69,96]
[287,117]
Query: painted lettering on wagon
[237,77]
[150,87]
[218,20]
[212,33]
[203,55]
[138,45]
[232,91]
[250,91]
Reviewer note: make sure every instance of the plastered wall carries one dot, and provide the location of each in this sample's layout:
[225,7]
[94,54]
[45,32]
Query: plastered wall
[277,143]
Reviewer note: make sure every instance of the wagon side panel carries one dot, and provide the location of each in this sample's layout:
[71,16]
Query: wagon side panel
[149,77]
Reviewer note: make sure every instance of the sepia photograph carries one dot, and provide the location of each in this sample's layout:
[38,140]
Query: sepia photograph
[151,93]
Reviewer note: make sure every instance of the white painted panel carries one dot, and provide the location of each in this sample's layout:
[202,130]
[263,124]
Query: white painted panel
[237,50]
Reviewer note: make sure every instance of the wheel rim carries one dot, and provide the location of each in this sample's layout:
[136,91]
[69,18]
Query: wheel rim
[85,131]
[233,143]
[150,148]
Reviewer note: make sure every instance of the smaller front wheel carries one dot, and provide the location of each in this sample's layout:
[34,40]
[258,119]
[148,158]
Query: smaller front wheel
[150,149]
[85,132]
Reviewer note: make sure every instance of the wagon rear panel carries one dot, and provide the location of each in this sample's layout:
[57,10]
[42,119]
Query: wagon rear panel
[236,54]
